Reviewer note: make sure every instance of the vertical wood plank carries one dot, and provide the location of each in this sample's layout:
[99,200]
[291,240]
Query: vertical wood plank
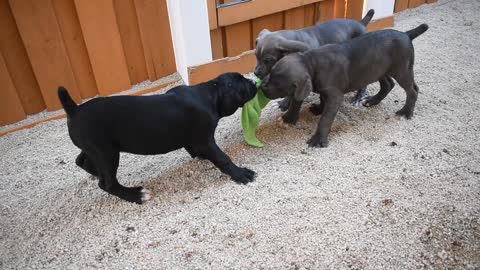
[216,39]
[11,109]
[212,14]
[339,8]
[431,1]
[238,38]
[41,35]
[271,22]
[415,3]
[17,62]
[156,37]
[309,15]
[324,11]
[75,45]
[127,22]
[354,9]
[400,5]
[104,46]
[295,18]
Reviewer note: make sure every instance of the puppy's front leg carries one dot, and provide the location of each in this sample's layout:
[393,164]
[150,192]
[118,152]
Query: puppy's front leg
[291,116]
[212,152]
[332,104]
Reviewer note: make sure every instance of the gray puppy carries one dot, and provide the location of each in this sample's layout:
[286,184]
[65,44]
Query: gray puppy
[272,46]
[334,70]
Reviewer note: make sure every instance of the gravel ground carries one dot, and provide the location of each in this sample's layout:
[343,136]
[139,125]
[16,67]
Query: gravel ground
[386,194]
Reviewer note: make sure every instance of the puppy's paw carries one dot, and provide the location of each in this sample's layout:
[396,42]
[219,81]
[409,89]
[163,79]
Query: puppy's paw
[146,195]
[283,104]
[316,109]
[290,118]
[405,112]
[135,194]
[317,141]
[243,176]
[369,101]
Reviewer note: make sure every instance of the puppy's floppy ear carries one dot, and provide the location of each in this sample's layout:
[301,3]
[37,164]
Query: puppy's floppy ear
[262,33]
[303,88]
[286,46]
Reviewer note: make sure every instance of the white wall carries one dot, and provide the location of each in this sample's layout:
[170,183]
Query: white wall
[190,33]
[383,8]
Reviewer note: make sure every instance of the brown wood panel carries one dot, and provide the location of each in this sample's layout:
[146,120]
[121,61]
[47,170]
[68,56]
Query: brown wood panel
[212,14]
[243,63]
[354,9]
[102,38]
[339,8]
[62,114]
[309,16]
[238,38]
[156,37]
[216,39]
[415,3]
[324,11]
[132,43]
[17,62]
[400,5]
[295,18]
[380,24]
[41,35]
[272,22]
[431,1]
[11,109]
[249,10]
[75,45]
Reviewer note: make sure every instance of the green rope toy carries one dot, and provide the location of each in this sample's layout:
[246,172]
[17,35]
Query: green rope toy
[250,118]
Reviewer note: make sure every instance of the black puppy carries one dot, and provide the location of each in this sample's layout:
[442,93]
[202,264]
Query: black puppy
[334,70]
[185,116]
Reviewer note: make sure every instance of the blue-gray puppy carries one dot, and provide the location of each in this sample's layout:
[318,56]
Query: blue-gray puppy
[333,70]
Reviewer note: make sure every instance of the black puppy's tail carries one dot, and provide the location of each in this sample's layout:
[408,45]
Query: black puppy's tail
[68,104]
[368,17]
[415,32]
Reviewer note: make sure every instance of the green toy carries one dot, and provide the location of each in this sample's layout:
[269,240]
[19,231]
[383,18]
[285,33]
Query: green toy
[251,112]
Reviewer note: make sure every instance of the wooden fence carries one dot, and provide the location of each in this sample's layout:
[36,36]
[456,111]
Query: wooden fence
[235,26]
[102,47]
[91,47]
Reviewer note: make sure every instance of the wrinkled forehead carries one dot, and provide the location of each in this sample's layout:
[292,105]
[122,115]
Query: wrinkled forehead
[286,66]
[266,44]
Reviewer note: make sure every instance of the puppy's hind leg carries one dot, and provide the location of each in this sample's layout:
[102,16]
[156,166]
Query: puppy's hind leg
[107,164]
[407,82]
[84,162]
[386,85]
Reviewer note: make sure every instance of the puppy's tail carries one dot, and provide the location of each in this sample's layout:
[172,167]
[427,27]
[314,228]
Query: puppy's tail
[368,17]
[417,31]
[68,104]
